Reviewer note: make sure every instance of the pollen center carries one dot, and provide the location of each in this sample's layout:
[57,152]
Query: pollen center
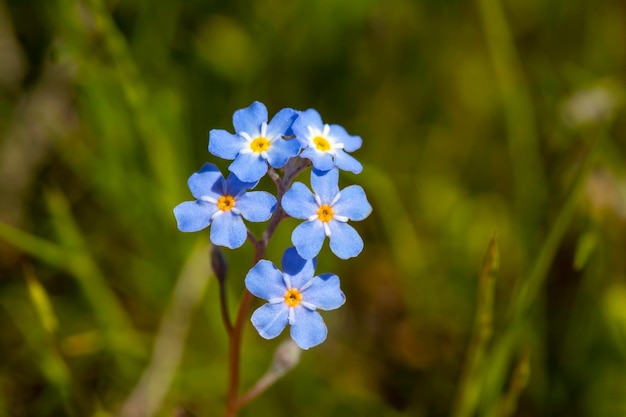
[321,143]
[293,297]
[325,213]
[260,144]
[226,203]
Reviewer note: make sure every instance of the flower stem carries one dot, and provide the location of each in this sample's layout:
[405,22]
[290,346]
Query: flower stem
[235,334]
[234,351]
[260,245]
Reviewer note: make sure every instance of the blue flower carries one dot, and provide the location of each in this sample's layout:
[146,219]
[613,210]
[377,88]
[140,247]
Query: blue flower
[293,297]
[255,143]
[326,211]
[326,145]
[222,203]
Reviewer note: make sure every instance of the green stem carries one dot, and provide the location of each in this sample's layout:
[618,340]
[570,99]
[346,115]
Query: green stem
[519,116]
[529,289]
[468,391]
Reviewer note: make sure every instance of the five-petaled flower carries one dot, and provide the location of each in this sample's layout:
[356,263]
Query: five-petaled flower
[293,297]
[222,203]
[255,143]
[326,211]
[326,145]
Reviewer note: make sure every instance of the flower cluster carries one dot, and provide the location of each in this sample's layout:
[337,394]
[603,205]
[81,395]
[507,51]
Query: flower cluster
[288,143]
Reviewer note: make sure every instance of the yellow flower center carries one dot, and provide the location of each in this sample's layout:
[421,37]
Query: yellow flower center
[293,297]
[321,143]
[325,213]
[226,203]
[260,144]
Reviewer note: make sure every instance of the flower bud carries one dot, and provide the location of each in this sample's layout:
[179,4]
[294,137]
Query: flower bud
[286,357]
[219,263]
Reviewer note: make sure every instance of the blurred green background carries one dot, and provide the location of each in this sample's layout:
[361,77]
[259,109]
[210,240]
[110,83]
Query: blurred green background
[479,119]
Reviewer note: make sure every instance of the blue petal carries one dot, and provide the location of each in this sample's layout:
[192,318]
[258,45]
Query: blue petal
[265,281]
[281,150]
[206,182]
[308,329]
[249,120]
[350,143]
[192,216]
[345,242]
[324,184]
[353,203]
[321,160]
[228,230]
[289,132]
[224,144]
[347,162]
[324,292]
[249,167]
[308,238]
[281,122]
[220,188]
[270,319]
[256,206]
[306,118]
[300,270]
[299,202]
[234,185]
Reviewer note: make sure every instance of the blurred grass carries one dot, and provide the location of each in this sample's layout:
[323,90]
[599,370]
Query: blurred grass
[477,118]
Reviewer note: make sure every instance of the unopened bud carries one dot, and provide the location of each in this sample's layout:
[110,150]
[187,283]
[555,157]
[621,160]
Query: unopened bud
[286,357]
[219,263]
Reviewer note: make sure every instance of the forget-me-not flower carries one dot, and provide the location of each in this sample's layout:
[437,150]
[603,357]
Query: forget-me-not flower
[293,297]
[255,143]
[222,203]
[326,145]
[326,211]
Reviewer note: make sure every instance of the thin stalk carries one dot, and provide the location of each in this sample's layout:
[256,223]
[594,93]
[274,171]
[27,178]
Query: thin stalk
[236,332]
[530,288]
[271,172]
[469,389]
[262,384]
[286,357]
[519,380]
[294,166]
[169,345]
[234,351]
[519,116]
